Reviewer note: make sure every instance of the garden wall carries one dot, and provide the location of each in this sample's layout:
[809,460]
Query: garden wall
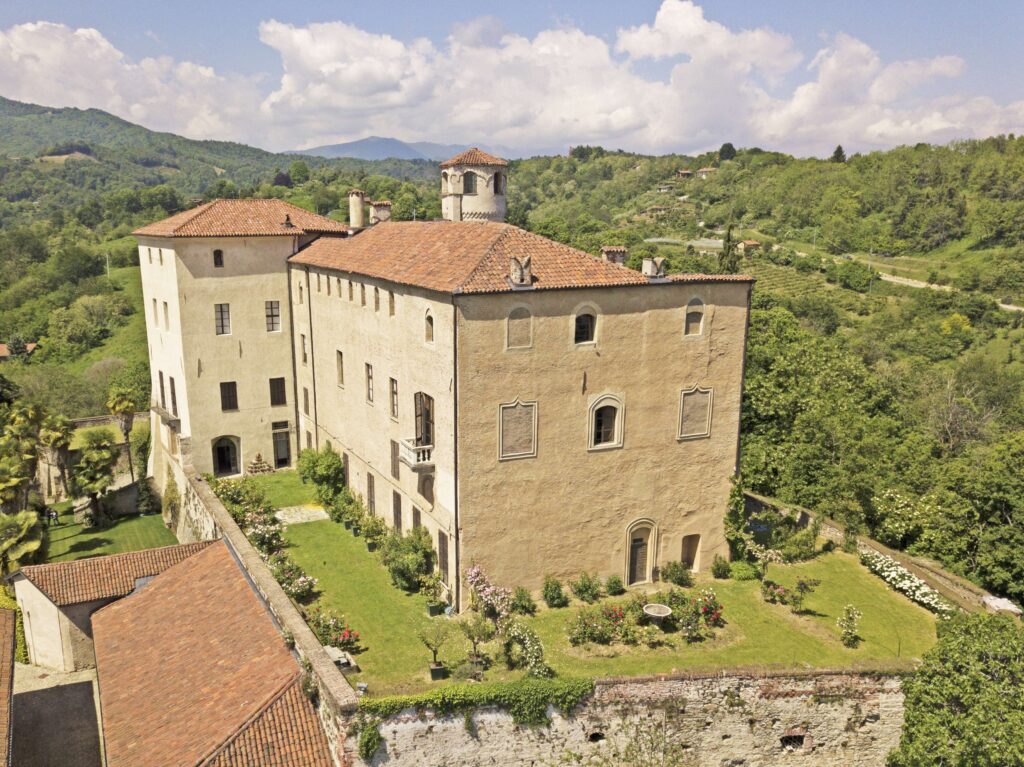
[822,718]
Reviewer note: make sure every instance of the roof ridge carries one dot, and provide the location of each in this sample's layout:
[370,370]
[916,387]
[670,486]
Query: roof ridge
[506,227]
[107,557]
[249,721]
[198,212]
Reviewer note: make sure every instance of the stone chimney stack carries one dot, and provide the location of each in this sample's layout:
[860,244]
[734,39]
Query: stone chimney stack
[356,219]
[380,210]
[653,268]
[614,254]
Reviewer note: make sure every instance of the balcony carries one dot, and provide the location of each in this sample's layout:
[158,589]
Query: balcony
[419,458]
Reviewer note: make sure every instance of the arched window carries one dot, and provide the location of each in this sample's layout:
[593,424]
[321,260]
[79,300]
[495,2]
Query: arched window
[225,456]
[469,182]
[605,423]
[444,182]
[499,183]
[218,258]
[428,330]
[519,333]
[585,327]
[694,324]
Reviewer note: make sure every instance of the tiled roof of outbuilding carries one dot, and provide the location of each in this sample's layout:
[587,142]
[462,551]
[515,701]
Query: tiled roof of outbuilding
[473,156]
[7,643]
[466,257]
[86,580]
[192,671]
[241,218]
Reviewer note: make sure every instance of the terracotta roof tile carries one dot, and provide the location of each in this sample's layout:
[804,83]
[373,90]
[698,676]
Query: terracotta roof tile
[5,350]
[241,218]
[7,627]
[467,258]
[473,156]
[711,278]
[192,671]
[85,580]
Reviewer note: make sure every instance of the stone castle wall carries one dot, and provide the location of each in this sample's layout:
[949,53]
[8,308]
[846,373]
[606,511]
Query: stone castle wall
[819,718]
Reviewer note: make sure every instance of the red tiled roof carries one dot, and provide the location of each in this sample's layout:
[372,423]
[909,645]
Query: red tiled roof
[465,257]
[473,156]
[7,626]
[5,350]
[86,580]
[192,671]
[241,218]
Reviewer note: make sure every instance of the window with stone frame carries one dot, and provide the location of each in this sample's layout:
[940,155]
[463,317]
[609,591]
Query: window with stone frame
[606,423]
[585,327]
[222,316]
[695,406]
[469,182]
[519,331]
[517,430]
[272,309]
[218,258]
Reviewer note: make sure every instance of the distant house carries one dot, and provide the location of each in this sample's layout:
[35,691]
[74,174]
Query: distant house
[6,354]
[193,670]
[58,600]
[705,172]
[748,246]
[684,173]
[664,188]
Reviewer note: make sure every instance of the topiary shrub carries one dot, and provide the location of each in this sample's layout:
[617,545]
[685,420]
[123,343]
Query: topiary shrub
[614,586]
[743,571]
[677,574]
[587,587]
[553,594]
[522,602]
[720,567]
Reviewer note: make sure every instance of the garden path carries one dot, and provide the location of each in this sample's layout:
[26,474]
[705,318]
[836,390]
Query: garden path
[293,515]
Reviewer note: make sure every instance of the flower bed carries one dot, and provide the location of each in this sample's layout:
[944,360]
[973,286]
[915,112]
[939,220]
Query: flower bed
[905,582]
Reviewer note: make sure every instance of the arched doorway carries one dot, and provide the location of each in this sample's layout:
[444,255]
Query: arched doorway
[225,456]
[640,541]
[691,551]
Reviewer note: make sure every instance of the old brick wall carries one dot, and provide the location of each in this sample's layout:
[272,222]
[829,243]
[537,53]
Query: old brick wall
[844,719]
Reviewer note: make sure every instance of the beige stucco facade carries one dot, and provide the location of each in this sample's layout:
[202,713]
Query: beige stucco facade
[181,287]
[56,637]
[573,507]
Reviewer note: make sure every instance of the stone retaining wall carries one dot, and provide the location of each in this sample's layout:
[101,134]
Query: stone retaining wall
[819,718]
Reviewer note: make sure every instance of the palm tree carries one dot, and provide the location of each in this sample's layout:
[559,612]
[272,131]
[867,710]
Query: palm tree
[20,535]
[122,405]
[55,440]
[94,472]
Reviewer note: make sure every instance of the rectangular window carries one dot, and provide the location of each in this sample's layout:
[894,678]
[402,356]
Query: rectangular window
[396,511]
[362,294]
[160,252]
[301,301]
[156,315]
[394,460]
[339,287]
[163,399]
[222,314]
[369,382]
[273,312]
[149,251]
[416,518]
[442,555]
[218,259]
[305,353]
[309,441]
[278,393]
[351,291]
[376,299]
[167,317]
[394,398]
[174,398]
[305,400]
[228,395]
[282,443]
[424,407]
[339,362]
[391,303]
[328,286]
[318,282]
[371,496]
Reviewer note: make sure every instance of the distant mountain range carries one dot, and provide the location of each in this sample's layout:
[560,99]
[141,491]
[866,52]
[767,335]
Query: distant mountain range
[383,148]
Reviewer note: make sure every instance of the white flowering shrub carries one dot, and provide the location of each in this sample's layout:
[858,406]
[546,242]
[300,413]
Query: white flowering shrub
[905,582]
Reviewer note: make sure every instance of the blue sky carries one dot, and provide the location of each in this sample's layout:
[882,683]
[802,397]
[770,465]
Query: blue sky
[933,70]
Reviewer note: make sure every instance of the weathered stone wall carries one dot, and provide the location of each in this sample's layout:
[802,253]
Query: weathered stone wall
[842,718]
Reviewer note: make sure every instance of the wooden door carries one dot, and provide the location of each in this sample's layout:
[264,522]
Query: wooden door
[638,556]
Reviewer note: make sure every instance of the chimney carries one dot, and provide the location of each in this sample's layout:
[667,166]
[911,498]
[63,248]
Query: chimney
[380,210]
[355,209]
[614,254]
[521,272]
[653,268]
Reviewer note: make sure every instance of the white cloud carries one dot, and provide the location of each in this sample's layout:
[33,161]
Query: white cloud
[487,84]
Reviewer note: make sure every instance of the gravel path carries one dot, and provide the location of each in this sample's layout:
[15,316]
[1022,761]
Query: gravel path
[294,515]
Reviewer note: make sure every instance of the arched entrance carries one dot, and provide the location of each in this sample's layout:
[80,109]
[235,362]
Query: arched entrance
[225,456]
[640,549]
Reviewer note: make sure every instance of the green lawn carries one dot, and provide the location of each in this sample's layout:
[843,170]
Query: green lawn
[77,439]
[284,488]
[757,634]
[70,541]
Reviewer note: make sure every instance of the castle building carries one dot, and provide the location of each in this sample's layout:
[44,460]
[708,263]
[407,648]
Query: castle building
[537,409]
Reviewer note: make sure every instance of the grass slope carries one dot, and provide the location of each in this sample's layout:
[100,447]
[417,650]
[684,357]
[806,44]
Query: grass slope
[353,582]
[127,342]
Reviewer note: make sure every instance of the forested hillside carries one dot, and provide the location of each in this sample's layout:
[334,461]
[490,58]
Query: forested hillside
[897,411]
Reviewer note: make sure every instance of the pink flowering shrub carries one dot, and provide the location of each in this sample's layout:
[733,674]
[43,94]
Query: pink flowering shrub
[332,629]
[493,601]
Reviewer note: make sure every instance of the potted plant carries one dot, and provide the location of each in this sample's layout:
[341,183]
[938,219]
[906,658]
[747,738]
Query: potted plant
[374,531]
[358,517]
[434,636]
[432,588]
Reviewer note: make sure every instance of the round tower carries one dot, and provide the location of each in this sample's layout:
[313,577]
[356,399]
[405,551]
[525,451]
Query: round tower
[473,187]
